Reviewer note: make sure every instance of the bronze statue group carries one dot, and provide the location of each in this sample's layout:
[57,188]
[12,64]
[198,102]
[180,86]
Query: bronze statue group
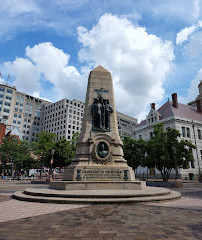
[101,111]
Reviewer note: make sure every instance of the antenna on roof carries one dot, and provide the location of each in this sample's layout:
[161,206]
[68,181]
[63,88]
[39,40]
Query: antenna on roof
[8,77]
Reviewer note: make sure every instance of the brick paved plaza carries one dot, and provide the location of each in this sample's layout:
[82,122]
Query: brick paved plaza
[180,219]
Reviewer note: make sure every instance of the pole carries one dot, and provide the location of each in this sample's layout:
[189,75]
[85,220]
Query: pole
[196,147]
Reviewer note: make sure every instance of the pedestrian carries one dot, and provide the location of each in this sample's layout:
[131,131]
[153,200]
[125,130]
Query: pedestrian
[5,176]
[3,179]
[2,176]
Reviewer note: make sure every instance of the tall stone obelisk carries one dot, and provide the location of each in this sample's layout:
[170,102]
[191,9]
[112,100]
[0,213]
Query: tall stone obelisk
[99,152]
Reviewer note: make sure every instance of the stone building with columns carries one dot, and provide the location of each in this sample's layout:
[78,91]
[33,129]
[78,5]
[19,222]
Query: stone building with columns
[187,119]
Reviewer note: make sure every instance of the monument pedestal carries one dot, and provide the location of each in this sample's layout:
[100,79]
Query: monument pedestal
[98,173]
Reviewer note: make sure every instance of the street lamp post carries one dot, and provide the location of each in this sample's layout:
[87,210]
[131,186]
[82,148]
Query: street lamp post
[176,168]
[51,164]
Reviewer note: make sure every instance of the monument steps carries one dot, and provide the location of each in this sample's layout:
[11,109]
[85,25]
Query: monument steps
[95,196]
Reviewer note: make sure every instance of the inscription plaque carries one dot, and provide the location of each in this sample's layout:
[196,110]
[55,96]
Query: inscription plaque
[102,174]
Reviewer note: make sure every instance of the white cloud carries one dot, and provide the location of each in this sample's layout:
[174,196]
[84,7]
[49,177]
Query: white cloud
[48,63]
[137,60]
[28,16]
[17,15]
[187,32]
[183,35]
[25,73]
[37,95]
[194,47]
[193,91]
[53,64]
[196,11]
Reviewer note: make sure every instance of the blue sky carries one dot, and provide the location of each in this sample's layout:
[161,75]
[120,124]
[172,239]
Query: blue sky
[152,48]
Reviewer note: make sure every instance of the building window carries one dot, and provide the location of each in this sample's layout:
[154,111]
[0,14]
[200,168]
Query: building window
[9,91]
[8,98]
[6,110]
[2,89]
[183,132]
[188,132]
[199,134]
[140,136]
[7,104]
[192,164]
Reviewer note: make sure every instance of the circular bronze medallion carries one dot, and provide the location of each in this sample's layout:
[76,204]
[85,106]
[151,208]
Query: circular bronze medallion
[101,152]
[102,149]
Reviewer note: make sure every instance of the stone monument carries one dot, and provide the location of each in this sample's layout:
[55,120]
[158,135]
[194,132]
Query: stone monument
[99,152]
[98,173]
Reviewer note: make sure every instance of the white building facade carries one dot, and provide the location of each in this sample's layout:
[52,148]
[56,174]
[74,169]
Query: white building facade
[186,119]
[64,118]
[22,111]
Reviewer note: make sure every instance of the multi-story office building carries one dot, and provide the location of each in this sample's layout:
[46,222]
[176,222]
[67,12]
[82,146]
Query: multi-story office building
[64,118]
[126,124]
[186,119]
[22,111]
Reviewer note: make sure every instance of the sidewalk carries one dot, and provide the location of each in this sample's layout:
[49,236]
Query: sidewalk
[171,220]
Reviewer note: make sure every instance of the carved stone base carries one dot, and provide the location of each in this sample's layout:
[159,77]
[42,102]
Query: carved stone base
[98,173]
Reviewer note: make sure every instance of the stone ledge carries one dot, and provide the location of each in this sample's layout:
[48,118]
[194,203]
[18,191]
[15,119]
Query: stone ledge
[23,197]
[97,185]
[97,193]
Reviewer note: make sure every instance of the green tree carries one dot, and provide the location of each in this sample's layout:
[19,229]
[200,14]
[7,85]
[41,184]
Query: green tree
[22,157]
[15,151]
[134,152]
[42,148]
[166,151]
[65,151]
[8,149]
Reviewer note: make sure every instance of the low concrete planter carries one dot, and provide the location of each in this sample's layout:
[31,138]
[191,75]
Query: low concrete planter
[161,184]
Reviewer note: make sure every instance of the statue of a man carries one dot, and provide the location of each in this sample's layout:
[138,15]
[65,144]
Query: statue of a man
[96,112]
[108,110]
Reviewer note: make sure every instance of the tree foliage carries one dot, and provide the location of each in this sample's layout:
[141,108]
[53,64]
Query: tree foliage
[64,151]
[42,148]
[163,151]
[134,152]
[13,150]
